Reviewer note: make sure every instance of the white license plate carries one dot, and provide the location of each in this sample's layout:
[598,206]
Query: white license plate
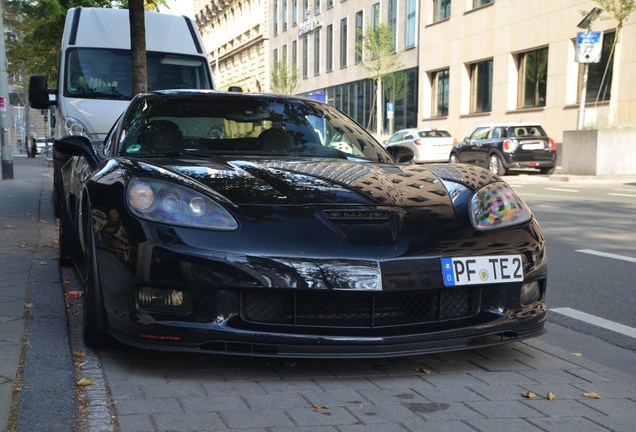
[482,270]
[533,146]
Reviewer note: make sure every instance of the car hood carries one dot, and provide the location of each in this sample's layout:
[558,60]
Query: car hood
[311,182]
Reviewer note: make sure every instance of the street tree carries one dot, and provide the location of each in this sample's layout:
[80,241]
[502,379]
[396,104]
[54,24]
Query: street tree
[36,27]
[376,49]
[284,80]
[619,11]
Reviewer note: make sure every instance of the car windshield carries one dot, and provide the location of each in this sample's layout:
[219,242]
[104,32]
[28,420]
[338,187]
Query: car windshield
[237,124]
[106,73]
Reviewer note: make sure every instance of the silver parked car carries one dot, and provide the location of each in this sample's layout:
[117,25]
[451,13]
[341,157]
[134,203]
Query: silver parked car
[428,145]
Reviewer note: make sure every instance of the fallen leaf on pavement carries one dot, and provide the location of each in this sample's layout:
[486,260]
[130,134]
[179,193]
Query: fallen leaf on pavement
[592,395]
[84,382]
[424,371]
[79,353]
[577,354]
[318,408]
[529,395]
[550,396]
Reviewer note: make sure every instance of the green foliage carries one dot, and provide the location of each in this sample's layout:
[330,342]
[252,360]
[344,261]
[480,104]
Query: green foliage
[618,10]
[376,49]
[283,80]
[35,32]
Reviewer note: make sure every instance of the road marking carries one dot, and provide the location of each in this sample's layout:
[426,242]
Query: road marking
[607,255]
[596,321]
[562,190]
[622,195]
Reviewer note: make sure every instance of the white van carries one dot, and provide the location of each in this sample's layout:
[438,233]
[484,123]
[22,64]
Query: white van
[94,77]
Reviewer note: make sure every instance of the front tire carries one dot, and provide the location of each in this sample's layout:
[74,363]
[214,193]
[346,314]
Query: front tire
[495,165]
[547,171]
[92,321]
[453,159]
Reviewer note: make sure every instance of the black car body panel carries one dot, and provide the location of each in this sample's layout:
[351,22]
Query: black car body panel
[517,145]
[329,257]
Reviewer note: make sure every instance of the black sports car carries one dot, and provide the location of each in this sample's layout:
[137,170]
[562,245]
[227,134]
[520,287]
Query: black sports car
[270,225]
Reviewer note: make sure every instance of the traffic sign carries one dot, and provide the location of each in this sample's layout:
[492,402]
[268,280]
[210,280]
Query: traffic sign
[589,46]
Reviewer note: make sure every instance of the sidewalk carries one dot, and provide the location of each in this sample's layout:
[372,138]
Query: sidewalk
[35,355]
[467,391]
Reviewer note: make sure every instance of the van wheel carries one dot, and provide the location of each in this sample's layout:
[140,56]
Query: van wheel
[495,165]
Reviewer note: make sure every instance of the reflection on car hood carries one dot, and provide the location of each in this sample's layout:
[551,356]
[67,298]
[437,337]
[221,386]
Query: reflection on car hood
[310,181]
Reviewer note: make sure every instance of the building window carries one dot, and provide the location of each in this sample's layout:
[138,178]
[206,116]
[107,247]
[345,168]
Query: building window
[393,22]
[275,17]
[481,87]
[275,55]
[329,4]
[480,3]
[305,56]
[329,47]
[305,10]
[440,80]
[317,52]
[359,35]
[599,75]
[409,41]
[441,10]
[375,16]
[294,13]
[316,7]
[343,42]
[533,76]
[285,15]
[294,55]
[285,54]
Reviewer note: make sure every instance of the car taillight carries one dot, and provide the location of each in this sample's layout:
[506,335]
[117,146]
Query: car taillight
[509,145]
[551,144]
[417,142]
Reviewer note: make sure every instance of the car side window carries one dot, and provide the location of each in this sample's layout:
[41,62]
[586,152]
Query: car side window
[496,133]
[408,137]
[480,133]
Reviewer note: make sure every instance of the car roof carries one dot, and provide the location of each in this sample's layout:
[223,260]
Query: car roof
[509,124]
[423,129]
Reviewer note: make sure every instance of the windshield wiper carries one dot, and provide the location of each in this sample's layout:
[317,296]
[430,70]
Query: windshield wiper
[97,94]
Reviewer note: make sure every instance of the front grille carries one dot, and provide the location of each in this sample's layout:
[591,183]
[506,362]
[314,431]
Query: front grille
[359,310]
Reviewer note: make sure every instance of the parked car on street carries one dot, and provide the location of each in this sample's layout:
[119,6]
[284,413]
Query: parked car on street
[267,225]
[502,146]
[428,145]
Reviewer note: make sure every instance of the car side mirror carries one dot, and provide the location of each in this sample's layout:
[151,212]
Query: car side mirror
[401,155]
[75,145]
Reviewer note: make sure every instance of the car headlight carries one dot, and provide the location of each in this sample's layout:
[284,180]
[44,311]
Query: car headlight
[496,206]
[169,203]
[73,126]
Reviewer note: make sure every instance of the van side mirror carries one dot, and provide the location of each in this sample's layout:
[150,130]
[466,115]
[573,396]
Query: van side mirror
[39,92]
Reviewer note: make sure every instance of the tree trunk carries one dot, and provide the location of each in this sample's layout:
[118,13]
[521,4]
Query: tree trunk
[613,104]
[138,46]
[378,109]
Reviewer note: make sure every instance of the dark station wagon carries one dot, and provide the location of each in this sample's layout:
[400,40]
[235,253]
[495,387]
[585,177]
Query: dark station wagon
[503,146]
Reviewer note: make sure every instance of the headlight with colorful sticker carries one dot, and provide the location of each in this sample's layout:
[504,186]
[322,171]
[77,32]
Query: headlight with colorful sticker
[169,203]
[496,206]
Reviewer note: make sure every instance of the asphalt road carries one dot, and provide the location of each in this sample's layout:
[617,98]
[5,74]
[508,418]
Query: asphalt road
[590,231]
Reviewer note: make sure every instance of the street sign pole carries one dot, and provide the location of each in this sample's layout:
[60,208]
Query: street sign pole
[7,154]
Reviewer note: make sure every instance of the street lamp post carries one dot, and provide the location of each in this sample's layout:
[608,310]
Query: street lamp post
[7,154]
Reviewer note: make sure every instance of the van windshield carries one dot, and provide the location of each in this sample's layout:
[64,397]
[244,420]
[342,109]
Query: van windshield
[106,74]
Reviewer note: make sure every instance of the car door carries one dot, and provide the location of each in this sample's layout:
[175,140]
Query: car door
[471,148]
